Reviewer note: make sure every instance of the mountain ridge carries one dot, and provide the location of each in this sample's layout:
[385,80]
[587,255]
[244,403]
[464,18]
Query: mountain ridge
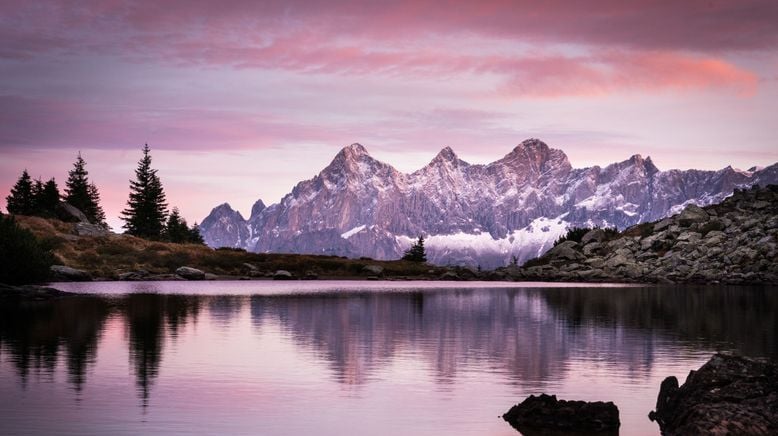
[473,214]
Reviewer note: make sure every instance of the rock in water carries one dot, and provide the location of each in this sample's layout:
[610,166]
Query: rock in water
[727,395]
[544,414]
[66,273]
[190,273]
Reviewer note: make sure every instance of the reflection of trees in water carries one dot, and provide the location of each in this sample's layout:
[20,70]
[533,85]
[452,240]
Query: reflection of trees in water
[529,335]
[146,317]
[35,333]
[223,309]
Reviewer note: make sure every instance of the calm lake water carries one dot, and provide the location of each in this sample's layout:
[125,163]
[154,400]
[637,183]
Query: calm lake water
[355,358]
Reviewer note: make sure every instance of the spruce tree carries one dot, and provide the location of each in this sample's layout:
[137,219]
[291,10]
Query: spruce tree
[416,253]
[47,199]
[146,207]
[176,229]
[195,237]
[37,191]
[21,200]
[82,194]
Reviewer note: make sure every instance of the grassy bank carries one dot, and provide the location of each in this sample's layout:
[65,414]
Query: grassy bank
[108,256]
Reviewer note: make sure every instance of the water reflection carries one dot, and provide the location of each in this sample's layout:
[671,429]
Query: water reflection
[527,336]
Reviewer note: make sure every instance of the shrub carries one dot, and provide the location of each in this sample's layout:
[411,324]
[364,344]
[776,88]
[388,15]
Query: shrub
[573,234]
[23,259]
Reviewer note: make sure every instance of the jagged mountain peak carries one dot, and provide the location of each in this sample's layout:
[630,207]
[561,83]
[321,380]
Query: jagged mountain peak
[257,208]
[222,208]
[354,150]
[444,156]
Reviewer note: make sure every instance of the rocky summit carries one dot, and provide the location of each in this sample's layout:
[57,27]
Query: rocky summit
[735,241]
[471,214]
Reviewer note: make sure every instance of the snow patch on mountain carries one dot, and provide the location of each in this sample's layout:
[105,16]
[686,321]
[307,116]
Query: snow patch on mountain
[353,231]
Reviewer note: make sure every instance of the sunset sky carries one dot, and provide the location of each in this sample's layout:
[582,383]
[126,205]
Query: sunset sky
[239,100]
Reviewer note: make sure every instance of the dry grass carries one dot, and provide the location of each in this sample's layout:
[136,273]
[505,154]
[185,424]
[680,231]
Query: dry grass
[109,256]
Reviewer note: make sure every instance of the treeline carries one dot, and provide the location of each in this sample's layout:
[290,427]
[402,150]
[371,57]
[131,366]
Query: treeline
[146,215]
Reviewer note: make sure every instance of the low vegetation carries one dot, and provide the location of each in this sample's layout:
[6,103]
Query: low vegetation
[108,256]
[23,258]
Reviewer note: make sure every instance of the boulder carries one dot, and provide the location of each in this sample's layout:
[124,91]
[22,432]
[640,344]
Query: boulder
[661,225]
[133,275]
[375,270]
[66,273]
[190,273]
[727,395]
[87,229]
[594,235]
[310,275]
[565,251]
[545,414]
[69,213]
[450,275]
[282,275]
[692,214]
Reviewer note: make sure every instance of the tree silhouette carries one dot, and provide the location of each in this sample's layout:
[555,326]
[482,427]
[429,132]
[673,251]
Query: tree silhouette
[416,253]
[82,194]
[146,207]
[21,200]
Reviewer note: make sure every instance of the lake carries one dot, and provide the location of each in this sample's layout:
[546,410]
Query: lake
[337,358]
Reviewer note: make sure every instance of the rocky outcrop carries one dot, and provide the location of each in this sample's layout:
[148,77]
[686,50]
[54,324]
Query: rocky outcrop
[545,414]
[727,395]
[88,229]
[68,274]
[30,292]
[190,273]
[735,241]
[471,214]
[69,213]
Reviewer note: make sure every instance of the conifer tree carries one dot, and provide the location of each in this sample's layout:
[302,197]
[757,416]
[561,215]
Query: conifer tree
[176,229]
[21,200]
[37,190]
[47,199]
[416,253]
[146,208]
[82,194]
[195,237]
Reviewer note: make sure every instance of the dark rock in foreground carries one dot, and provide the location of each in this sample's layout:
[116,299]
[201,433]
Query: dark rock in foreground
[545,414]
[68,274]
[727,395]
[30,292]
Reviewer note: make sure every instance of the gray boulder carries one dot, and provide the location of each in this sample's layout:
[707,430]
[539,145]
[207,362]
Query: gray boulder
[692,214]
[69,213]
[565,251]
[594,235]
[190,273]
[375,270]
[87,229]
[282,275]
[66,273]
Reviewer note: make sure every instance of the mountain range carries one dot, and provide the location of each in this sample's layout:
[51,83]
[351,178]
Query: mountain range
[470,214]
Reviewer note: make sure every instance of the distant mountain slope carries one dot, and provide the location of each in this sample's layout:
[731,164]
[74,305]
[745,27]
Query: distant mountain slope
[470,214]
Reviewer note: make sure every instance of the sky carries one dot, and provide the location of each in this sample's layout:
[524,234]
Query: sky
[240,100]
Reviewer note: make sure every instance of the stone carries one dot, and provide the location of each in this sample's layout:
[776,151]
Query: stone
[692,214]
[310,275]
[69,213]
[374,270]
[31,292]
[66,273]
[131,276]
[282,275]
[591,248]
[190,273]
[546,414]
[594,235]
[689,237]
[727,395]
[661,225]
[210,276]
[565,251]
[450,275]
[87,229]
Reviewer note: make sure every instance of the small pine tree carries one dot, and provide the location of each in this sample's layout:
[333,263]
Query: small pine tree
[176,229]
[82,194]
[146,207]
[47,199]
[37,191]
[195,237]
[21,200]
[416,253]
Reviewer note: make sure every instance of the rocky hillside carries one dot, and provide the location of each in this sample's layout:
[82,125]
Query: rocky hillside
[735,241]
[471,214]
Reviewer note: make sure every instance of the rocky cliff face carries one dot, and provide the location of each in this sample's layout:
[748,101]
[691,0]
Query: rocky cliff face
[735,241]
[470,214]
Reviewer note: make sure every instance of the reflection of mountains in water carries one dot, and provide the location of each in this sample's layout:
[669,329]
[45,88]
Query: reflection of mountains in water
[528,335]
